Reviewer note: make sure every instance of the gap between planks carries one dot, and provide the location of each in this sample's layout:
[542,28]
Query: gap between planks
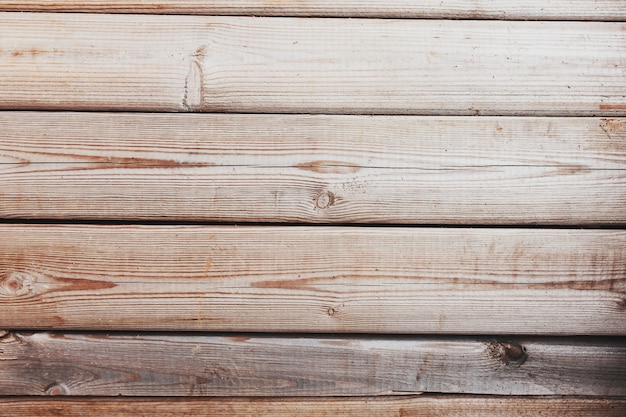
[69,61]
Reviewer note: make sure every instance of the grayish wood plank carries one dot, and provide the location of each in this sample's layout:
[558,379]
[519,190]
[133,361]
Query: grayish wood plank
[313,279]
[317,169]
[164,365]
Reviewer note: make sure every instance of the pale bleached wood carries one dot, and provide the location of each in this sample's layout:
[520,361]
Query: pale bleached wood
[456,9]
[241,365]
[313,279]
[247,64]
[416,406]
[296,168]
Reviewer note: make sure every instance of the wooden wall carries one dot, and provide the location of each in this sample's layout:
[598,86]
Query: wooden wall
[349,207]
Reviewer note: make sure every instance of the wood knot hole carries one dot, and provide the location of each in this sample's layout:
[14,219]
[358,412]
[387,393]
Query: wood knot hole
[331,311]
[324,199]
[507,352]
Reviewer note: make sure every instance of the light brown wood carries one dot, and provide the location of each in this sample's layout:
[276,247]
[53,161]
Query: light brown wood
[457,9]
[317,169]
[356,66]
[313,279]
[416,406]
[242,365]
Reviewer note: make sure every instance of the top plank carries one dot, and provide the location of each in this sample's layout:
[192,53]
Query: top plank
[608,10]
[292,65]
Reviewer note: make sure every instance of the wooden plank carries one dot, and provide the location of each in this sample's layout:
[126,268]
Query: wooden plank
[416,406]
[313,279]
[459,9]
[365,66]
[316,169]
[243,365]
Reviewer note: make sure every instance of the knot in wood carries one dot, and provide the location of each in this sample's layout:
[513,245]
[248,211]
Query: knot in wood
[324,199]
[57,389]
[16,284]
[507,352]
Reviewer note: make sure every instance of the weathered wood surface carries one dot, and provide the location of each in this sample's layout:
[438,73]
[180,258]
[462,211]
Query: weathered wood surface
[240,365]
[395,406]
[298,168]
[313,279]
[365,66]
[459,9]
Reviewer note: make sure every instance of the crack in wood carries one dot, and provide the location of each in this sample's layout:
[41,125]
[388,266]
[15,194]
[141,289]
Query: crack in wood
[192,97]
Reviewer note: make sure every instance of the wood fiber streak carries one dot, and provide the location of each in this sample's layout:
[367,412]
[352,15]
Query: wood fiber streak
[416,406]
[313,279]
[290,65]
[234,365]
[460,9]
[314,169]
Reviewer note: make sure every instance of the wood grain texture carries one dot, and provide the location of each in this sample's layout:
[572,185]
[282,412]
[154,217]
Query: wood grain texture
[235,365]
[455,9]
[313,279]
[314,169]
[290,65]
[415,406]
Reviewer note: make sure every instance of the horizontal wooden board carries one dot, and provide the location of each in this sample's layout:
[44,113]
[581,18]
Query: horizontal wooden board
[459,9]
[415,406]
[315,169]
[313,279]
[291,65]
[240,365]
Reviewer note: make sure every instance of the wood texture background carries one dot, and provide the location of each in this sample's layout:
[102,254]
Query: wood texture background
[457,9]
[313,279]
[118,267]
[318,169]
[236,365]
[395,406]
[289,65]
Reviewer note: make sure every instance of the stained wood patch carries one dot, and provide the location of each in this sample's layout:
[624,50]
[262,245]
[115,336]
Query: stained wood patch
[313,279]
[463,9]
[316,169]
[351,66]
[235,365]
[416,406]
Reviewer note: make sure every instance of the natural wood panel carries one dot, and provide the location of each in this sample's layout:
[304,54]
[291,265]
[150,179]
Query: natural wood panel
[416,406]
[240,365]
[297,168]
[458,9]
[313,279]
[365,66]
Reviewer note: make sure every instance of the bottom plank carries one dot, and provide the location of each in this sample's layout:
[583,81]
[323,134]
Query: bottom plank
[418,406]
[254,365]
